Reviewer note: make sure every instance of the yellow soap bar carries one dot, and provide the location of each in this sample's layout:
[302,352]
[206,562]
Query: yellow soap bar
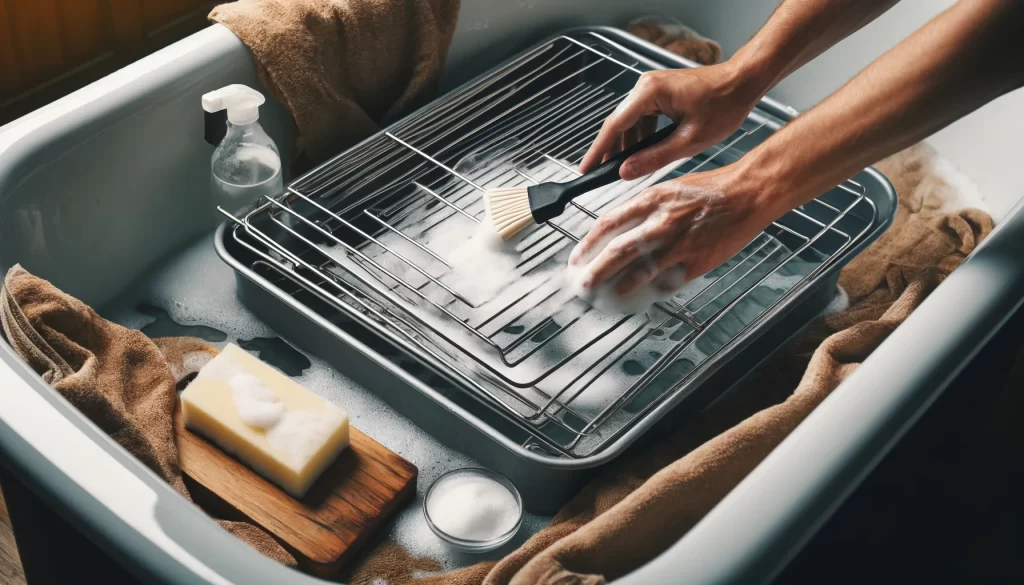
[283,431]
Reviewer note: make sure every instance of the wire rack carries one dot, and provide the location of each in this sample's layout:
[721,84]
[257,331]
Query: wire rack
[373,231]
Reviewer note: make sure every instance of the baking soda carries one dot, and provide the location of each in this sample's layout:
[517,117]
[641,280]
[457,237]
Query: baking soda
[472,507]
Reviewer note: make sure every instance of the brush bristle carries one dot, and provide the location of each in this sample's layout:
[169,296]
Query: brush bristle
[509,210]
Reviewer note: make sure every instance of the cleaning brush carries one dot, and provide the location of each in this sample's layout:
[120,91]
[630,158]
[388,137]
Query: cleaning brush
[513,209]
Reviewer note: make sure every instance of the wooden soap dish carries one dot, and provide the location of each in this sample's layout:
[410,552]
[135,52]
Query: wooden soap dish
[364,486]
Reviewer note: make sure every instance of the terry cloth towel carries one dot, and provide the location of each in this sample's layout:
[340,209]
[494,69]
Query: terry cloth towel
[648,499]
[118,377]
[341,67]
[678,38]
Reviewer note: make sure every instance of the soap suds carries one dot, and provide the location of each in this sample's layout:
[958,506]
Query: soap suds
[960,191]
[472,507]
[301,433]
[296,434]
[197,287]
[839,303]
[481,265]
[604,297]
[257,405]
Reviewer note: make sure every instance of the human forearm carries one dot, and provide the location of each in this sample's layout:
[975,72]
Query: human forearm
[966,57]
[798,31]
[709,103]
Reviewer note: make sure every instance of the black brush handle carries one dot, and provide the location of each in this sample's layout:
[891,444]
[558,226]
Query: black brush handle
[608,172]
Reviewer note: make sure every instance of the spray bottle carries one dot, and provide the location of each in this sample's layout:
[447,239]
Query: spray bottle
[246,164]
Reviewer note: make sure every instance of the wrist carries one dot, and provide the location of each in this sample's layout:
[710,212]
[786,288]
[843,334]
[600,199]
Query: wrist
[759,69]
[762,183]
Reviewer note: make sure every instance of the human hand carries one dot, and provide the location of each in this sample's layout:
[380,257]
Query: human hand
[709,103]
[695,223]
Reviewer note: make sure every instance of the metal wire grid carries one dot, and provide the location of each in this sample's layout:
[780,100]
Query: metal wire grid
[537,114]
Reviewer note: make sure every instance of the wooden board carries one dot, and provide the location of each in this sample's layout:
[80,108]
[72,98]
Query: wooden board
[355,494]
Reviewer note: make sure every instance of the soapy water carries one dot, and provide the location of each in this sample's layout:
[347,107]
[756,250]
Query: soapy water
[495,287]
[196,289]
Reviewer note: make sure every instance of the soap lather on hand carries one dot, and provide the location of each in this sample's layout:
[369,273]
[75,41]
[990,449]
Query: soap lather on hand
[283,431]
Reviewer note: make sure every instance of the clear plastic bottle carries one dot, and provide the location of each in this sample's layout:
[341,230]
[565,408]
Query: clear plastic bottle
[246,164]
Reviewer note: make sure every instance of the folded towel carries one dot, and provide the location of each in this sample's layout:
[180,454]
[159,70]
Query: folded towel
[117,377]
[341,67]
[648,499]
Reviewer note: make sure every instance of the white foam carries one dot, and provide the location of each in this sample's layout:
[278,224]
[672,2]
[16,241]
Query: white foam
[962,193]
[301,433]
[197,288]
[482,265]
[839,303]
[257,405]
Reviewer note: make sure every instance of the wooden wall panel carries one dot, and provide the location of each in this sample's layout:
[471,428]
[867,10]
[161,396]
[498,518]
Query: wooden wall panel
[81,30]
[159,13]
[10,76]
[36,39]
[49,48]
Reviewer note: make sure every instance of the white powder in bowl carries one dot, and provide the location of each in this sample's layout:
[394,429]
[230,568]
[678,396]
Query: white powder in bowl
[472,507]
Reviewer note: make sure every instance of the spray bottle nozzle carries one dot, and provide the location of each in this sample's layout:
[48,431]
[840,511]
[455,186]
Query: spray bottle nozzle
[242,103]
[238,103]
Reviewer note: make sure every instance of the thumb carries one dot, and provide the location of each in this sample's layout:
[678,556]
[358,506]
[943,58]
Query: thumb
[677,146]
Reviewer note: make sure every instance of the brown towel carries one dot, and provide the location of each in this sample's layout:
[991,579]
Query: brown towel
[647,500]
[678,38]
[343,66]
[117,377]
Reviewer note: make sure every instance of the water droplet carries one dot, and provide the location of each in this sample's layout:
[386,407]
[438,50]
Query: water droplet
[633,367]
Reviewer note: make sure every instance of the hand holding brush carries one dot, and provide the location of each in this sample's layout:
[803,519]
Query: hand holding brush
[513,209]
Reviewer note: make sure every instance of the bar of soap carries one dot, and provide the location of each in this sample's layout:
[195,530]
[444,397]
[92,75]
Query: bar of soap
[283,431]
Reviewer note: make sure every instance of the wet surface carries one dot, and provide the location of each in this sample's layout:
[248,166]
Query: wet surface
[278,353]
[633,367]
[272,350]
[164,326]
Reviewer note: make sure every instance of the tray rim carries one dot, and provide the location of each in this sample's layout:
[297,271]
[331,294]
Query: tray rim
[656,57]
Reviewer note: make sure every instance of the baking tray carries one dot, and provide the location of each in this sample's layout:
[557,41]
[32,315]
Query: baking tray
[428,393]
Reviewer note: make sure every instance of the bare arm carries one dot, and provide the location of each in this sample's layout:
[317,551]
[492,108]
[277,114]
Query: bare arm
[799,31]
[966,57]
[713,101]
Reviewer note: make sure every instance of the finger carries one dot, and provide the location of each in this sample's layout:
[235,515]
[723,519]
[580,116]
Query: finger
[665,272]
[617,255]
[631,136]
[671,279]
[639,275]
[677,146]
[648,125]
[621,219]
[626,115]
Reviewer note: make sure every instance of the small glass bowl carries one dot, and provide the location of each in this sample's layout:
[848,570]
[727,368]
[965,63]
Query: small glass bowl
[474,546]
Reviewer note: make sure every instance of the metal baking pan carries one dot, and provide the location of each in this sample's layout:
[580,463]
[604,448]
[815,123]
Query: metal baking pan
[361,326]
